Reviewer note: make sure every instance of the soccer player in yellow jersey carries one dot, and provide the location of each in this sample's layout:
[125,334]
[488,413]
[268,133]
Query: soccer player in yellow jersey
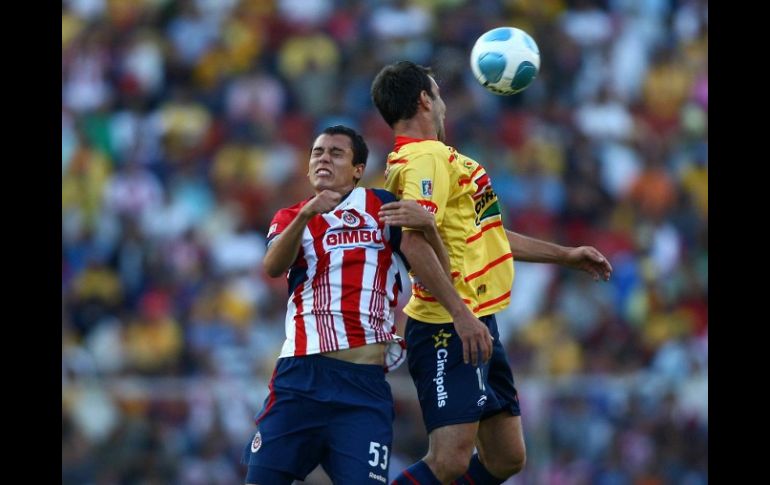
[456,360]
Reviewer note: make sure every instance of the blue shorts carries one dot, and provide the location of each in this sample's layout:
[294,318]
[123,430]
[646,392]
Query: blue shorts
[450,391]
[323,411]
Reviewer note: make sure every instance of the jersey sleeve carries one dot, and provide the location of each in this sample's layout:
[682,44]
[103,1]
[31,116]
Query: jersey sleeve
[280,221]
[423,179]
[394,232]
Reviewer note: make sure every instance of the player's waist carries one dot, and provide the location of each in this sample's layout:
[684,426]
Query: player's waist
[355,314]
[434,312]
[373,354]
[321,360]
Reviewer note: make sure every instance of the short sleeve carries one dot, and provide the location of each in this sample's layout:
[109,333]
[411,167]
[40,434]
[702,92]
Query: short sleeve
[280,221]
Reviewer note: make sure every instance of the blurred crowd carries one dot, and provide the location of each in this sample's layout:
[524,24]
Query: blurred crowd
[186,124]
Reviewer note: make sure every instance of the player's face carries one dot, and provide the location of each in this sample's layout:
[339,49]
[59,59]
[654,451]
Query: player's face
[439,110]
[331,164]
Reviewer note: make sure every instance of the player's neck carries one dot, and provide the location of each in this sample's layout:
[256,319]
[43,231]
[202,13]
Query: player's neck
[343,191]
[416,127]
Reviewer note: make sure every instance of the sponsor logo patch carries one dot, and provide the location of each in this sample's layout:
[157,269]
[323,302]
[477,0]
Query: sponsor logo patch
[441,339]
[428,206]
[442,396]
[379,478]
[369,238]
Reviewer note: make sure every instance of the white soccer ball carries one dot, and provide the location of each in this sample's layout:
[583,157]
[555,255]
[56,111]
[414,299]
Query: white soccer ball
[505,60]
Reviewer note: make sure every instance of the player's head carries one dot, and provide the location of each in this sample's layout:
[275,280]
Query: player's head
[337,159]
[404,90]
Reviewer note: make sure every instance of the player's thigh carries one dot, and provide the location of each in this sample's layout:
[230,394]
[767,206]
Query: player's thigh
[264,476]
[500,440]
[360,442]
[449,390]
[291,428]
[499,377]
[290,440]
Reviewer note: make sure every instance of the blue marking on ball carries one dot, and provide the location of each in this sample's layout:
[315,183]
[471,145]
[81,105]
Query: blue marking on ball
[524,76]
[501,33]
[492,65]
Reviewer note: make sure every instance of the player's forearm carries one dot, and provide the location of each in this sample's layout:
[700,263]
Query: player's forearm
[428,269]
[533,250]
[284,250]
[434,239]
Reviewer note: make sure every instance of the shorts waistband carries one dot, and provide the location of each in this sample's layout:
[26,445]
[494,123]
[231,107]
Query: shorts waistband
[332,363]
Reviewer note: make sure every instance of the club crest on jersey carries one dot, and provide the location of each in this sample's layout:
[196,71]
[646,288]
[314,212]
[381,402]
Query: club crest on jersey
[427,187]
[256,443]
[350,218]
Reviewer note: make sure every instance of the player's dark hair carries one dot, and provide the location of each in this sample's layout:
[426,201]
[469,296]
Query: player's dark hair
[396,90]
[360,150]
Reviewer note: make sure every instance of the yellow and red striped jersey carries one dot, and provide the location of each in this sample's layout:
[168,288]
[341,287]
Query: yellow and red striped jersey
[458,191]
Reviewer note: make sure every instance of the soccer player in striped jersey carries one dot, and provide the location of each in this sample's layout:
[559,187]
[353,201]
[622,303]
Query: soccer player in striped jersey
[329,402]
[458,364]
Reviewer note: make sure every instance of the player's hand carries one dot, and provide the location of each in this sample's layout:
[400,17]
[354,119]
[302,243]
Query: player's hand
[406,213]
[321,203]
[477,341]
[590,260]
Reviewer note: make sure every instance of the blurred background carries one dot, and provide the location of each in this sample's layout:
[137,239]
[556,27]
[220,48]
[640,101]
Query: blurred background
[186,125]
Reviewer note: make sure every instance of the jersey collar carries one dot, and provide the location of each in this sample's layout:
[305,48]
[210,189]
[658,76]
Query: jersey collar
[403,140]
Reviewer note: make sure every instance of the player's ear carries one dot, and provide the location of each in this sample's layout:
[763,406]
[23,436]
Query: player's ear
[425,99]
[358,172]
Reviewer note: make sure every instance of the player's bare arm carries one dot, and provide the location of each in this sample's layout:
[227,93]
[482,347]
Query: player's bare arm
[477,341]
[408,213]
[585,258]
[285,248]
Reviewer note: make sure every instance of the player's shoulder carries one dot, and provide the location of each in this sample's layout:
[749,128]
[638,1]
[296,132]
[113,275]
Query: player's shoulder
[293,209]
[426,148]
[418,153]
[383,195]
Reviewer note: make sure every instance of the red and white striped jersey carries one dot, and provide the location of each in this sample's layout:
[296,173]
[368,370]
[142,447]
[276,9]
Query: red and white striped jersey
[344,284]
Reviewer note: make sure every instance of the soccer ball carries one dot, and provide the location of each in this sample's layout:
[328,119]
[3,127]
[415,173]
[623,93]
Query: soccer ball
[505,60]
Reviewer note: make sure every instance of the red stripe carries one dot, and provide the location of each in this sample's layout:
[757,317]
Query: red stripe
[485,228]
[398,161]
[424,298]
[353,262]
[429,205]
[328,318]
[411,478]
[481,186]
[470,480]
[321,300]
[433,299]
[489,266]
[404,140]
[469,179]
[491,302]
[300,335]
[271,399]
